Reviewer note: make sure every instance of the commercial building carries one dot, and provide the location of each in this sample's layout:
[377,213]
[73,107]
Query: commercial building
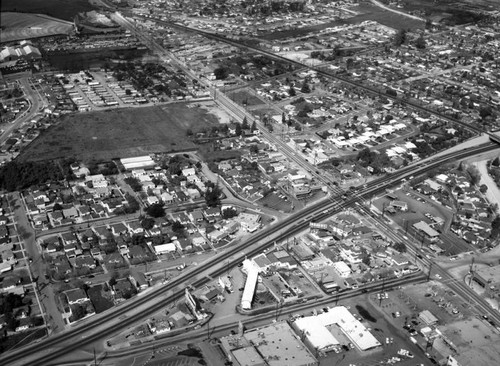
[427,317]
[317,336]
[138,162]
[252,272]
[272,345]
[427,230]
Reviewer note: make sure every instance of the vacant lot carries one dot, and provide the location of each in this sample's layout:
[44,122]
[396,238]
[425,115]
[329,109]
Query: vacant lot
[18,26]
[120,133]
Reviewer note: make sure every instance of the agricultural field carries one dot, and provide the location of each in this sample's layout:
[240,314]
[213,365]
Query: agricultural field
[120,133]
[19,26]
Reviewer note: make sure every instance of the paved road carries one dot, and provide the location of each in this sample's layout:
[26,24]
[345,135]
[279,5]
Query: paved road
[34,99]
[46,294]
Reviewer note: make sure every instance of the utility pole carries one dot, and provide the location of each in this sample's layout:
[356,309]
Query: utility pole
[471,271]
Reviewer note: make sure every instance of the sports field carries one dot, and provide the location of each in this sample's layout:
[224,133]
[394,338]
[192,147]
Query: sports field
[120,133]
[18,26]
[61,9]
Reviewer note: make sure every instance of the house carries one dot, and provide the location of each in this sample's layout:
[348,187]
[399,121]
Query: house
[211,214]
[138,279]
[188,172]
[70,212]
[342,269]
[76,296]
[135,227]
[400,205]
[113,260]
[167,198]
[123,288]
[196,216]
[137,252]
[87,262]
[3,220]
[24,324]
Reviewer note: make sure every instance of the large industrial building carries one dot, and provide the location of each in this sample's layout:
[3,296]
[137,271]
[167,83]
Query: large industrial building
[317,336]
[138,162]
[273,345]
[252,271]
[24,51]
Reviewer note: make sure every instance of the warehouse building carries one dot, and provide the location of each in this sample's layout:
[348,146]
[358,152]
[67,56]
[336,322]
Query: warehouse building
[272,345]
[317,336]
[139,162]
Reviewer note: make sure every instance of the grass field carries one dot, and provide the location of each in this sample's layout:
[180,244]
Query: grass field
[63,9]
[119,133]
[18,26]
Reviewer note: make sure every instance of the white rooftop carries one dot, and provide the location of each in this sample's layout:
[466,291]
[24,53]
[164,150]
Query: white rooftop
[317,333]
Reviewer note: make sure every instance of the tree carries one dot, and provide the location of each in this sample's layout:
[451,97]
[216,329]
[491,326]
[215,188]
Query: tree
[400,37]
[496,162]
[366,260]
[244,124]
[112,281]
[400,247]
[420,42]
[177,227]
[221,73]
[254,149]
[483,188]
[148,223]
[134,183]
[305,88]
[229,213]
[212,196]
[78,312]
[291,91]
[283,118]
[495,227]
[485,112]
[238,129]
[156,210]
[474,175]
[254,126]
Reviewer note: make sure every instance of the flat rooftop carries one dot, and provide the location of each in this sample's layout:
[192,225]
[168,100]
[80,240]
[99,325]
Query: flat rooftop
[280,346]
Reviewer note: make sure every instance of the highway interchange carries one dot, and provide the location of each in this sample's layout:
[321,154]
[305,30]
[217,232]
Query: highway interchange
[94,332]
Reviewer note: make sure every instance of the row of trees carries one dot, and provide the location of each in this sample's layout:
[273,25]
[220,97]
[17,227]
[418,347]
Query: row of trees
[17,175]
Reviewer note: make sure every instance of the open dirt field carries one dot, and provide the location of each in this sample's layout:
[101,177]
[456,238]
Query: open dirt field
[19,26]
[120,133]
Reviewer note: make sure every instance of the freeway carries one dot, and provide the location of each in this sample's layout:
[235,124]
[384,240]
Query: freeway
[141,307]
[272,314]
